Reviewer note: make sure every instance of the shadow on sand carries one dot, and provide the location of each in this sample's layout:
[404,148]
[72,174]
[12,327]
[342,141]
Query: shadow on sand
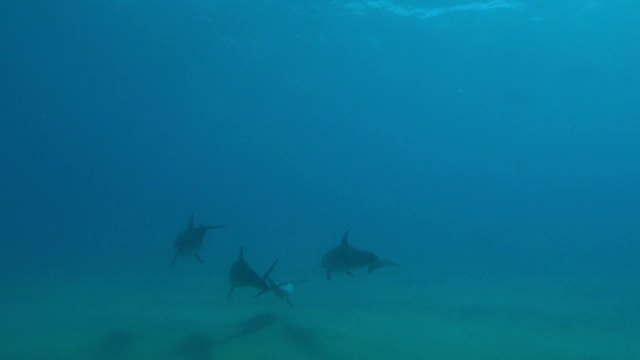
[116,345]
[199,346]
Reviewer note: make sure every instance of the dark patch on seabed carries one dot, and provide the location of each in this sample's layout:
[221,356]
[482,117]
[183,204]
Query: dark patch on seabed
[252,325]
[199,346]
[194,347]
[116,345]
[306,340]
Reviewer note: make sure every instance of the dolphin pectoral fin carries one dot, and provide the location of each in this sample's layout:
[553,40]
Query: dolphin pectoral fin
[199,258]
[328,274]
[174,259]
[231,291]
[289,302]
[350,273]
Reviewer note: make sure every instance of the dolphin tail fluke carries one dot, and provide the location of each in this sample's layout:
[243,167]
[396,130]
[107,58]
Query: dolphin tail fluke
[381,263]
[266,275]
[270,282]
[262,292]
[294,283]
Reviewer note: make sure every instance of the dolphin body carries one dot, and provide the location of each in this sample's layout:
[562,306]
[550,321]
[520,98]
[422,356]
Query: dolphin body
[242,275]
[190,241]
[346,258]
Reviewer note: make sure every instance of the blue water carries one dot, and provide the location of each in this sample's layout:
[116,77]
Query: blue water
[490,148]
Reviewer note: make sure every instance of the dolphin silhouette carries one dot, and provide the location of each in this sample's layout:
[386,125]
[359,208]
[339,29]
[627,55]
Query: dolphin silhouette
[346,258]
[242,275]
[190,241]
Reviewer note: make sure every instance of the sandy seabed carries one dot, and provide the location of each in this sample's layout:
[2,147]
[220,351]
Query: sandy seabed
[116,316]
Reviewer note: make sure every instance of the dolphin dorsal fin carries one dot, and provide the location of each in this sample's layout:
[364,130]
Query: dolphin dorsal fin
[191,222]
[345,239]
[241,257]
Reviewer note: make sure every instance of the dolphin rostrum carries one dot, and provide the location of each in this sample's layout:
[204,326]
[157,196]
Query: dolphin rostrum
[190,241]
[346,258]
[242,275]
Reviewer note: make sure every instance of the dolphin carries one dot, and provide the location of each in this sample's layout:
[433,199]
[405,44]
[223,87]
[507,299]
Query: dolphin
[283,290]
[190,241]
[242,275]
[346,258]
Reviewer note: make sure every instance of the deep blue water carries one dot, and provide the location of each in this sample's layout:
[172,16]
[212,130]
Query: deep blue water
[454,137]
